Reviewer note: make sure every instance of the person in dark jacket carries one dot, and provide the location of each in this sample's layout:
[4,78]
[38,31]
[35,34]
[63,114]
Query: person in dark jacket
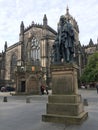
[42,88]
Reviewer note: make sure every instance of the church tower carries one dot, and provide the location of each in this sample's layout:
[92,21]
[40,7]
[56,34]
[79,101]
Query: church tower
[74,23]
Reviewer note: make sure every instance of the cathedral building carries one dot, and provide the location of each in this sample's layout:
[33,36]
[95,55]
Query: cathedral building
[26,64]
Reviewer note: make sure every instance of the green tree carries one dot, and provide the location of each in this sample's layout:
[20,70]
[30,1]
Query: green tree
[90,73]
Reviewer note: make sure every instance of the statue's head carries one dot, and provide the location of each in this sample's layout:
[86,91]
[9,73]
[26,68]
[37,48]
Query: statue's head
[62,19]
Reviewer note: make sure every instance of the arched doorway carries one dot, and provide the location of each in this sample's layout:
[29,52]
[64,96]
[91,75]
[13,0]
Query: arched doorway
[33,85]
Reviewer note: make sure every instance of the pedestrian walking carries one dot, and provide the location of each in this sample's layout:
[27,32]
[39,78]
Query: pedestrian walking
[42,88]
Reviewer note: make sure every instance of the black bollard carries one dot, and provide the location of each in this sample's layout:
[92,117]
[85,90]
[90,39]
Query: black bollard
[5,99]
[27,99]
[85,102]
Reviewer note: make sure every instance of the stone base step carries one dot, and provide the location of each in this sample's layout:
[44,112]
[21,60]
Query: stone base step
[65,119]
[69,109]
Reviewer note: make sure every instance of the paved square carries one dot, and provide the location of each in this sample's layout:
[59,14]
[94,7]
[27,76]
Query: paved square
[16,114]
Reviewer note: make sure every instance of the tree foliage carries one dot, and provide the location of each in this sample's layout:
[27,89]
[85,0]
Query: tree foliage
[90,73]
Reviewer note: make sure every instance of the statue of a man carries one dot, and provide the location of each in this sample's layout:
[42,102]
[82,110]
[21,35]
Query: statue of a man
[65,41]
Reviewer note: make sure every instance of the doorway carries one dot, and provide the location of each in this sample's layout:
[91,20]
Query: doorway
[23,86]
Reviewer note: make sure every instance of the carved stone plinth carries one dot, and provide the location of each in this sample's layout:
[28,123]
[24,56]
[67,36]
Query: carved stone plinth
[65,104]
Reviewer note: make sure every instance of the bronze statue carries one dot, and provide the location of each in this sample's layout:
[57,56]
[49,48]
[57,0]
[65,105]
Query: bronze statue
[64,43]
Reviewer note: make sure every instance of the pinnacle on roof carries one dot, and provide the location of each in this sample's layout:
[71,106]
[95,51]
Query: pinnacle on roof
[91,42]
[45,20]
[22,24]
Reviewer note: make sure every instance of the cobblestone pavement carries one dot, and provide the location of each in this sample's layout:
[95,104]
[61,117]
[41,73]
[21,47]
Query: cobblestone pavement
[16,114]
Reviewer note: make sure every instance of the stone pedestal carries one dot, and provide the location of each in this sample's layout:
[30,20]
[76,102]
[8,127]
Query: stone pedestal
[65,104]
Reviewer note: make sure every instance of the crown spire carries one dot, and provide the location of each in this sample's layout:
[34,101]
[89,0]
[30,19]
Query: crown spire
[67,15]
[67,10]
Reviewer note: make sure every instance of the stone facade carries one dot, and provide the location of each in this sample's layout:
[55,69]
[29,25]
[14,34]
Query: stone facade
[13,54]
[2,69]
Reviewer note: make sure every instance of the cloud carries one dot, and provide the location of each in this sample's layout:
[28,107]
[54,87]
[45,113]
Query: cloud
[13,12]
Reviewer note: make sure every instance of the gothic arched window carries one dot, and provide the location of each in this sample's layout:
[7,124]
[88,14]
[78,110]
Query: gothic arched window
[13,65]
[35,49]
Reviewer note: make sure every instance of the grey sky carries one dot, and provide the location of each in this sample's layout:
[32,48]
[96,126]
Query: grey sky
[12,12]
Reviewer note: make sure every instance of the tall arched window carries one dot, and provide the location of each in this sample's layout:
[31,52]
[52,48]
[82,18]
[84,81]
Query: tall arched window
[13,65]
[35,50]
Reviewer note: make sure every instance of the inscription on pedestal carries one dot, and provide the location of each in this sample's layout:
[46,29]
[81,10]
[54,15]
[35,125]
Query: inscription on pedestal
[64,80]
